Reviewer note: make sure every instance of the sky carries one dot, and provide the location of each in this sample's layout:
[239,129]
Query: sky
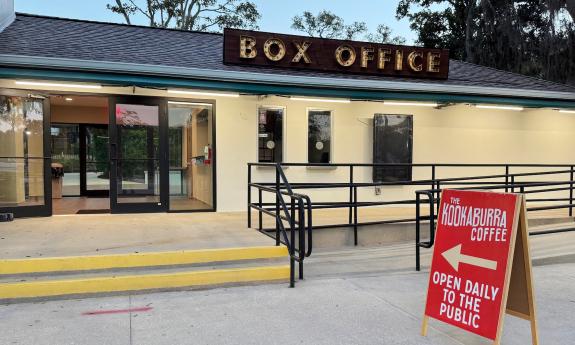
[276,15]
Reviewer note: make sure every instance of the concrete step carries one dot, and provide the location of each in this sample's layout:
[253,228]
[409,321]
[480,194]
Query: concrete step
[66,277]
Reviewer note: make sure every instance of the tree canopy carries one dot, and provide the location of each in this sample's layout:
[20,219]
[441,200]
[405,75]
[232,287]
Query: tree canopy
[327,24]
[530,37]
[197,15]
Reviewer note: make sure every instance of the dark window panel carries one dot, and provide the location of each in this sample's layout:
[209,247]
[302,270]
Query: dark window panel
[392,143]
[270,135]
[319,136]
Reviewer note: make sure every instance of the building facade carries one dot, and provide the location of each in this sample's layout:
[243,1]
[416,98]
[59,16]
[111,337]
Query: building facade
[157,120]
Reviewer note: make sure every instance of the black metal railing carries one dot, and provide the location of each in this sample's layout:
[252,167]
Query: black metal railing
[508,180]
[296,213]
[433,197]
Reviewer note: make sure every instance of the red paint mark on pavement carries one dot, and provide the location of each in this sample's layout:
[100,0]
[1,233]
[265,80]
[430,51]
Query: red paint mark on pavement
[117,311]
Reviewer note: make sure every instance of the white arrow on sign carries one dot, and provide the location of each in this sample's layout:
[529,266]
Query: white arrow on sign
[454,257]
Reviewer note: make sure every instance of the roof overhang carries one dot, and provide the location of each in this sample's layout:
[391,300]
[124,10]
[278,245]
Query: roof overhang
[342,87]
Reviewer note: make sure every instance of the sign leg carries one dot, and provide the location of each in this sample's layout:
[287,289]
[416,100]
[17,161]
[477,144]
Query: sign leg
[424,326]
[534,335]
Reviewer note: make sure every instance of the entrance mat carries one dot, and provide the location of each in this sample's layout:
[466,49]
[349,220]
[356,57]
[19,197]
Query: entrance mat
[99,211]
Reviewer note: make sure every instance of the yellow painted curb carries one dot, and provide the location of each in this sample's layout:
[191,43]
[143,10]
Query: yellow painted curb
[141,282]
[96,262]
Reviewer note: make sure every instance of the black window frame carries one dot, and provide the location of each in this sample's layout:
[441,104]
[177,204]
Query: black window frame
[260,144]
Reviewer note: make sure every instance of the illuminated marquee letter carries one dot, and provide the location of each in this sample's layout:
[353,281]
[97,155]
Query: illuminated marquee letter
[349,60]
[411,61]
[301,52]
[247,47]
[433,62]
[384,56]
[366,56]
[280,46]
[398,60]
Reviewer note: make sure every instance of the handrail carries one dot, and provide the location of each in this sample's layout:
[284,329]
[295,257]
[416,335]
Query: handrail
[540,179]
[431,193]
[282,212]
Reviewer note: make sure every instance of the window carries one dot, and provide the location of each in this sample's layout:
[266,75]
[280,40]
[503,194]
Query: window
[319,136]
[392,143]
[270,134]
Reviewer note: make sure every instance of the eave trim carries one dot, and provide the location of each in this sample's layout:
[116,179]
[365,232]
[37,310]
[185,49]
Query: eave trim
[276,79]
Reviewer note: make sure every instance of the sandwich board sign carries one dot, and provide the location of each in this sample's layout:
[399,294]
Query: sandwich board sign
[481,267]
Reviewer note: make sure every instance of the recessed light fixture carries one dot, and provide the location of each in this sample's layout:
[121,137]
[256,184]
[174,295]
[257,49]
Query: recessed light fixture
[325,100]
[499,107]
[78,86]
[412,104]
[68,99]
[208,94]
[567,111]
[190,103]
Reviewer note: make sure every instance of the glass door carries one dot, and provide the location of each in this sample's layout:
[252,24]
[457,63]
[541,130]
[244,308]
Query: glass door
[138,155]
[95,161]
[25,176]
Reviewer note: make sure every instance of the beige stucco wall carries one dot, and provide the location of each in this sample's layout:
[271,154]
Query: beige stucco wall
[454,134]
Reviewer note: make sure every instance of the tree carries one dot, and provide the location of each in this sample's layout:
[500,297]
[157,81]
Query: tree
[197,15]
[383,34]
[326,25]
[329,25]
[450,26]
[531,37]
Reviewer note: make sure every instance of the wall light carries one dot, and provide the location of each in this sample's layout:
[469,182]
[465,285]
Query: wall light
[78,86]
[499,107]
[208,94]
[190,103]
[567,111]
[68,99]
[411,104]
[325,100]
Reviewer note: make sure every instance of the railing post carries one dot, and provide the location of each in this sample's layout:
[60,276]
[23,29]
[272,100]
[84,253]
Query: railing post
[260,221]
[506,178]
[301,235]
[433,176]
[438,195]
[249,195]
[571,192]
[417,221]
[512,184]
[278,195]
[431,219]
[292,242]
[350,193]
[355,215]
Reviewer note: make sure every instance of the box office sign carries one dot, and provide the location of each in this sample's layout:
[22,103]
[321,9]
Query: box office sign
[481,266]
[308,53]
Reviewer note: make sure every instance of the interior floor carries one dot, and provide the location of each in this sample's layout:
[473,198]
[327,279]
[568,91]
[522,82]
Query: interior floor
[75,205]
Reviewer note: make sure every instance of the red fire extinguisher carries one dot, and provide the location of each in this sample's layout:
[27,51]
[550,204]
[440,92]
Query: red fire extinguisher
[207,155]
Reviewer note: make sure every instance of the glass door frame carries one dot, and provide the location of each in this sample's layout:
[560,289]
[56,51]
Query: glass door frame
[139,207]
[212,103]
[36,210]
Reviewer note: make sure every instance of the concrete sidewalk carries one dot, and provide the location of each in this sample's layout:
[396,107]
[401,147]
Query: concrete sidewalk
[382,308]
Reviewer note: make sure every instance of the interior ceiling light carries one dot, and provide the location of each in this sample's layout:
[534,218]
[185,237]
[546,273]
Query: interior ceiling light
[325,100]
[567,111]
[499,107]
[190,103]
[412,104]
[77,86]
[209,94]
